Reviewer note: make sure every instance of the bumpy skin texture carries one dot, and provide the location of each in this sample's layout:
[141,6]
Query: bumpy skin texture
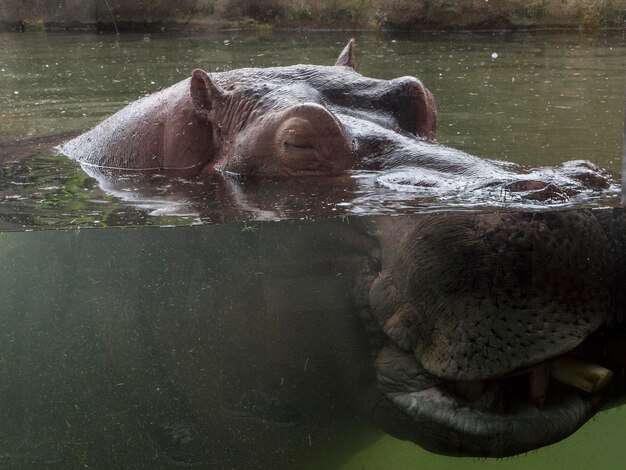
[310,120]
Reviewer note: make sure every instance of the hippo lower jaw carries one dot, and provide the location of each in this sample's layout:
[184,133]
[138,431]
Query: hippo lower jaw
[499,416]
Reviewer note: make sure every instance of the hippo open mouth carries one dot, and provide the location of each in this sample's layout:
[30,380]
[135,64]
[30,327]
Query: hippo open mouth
[499,331]
[510,414]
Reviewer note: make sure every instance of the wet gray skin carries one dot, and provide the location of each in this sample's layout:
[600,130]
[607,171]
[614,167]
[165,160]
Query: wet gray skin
[308,120]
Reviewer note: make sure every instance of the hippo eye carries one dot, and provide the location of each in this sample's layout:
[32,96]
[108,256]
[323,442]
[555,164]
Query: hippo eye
[298,145]
[296,140]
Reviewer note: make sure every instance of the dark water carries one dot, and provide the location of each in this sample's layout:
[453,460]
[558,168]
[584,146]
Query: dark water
[102,329]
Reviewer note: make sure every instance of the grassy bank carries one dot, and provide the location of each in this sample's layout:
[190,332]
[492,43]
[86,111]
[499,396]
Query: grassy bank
[195,15]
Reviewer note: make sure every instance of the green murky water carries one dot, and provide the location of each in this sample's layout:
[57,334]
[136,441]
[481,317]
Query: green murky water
[532,99]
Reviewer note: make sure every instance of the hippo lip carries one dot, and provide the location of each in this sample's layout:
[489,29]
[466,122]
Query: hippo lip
[485,433]
[496,417]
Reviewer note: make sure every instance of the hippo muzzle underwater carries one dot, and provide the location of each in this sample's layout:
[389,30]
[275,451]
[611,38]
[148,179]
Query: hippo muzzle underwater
[495,327]
[481,328]
[310,120]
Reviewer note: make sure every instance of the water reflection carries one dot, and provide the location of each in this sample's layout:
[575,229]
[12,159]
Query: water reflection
[272,344]
[223,197]
[54,191]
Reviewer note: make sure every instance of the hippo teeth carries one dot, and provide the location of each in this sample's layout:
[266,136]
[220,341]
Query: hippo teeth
[573,371]
[580,374]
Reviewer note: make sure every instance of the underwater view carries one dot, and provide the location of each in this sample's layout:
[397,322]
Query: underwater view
[402,313]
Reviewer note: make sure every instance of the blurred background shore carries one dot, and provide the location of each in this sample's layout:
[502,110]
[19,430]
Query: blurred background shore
[206,15]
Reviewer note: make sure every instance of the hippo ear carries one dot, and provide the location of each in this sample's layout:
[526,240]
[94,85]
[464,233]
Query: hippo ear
[426,114]
[346,58]
[205,93]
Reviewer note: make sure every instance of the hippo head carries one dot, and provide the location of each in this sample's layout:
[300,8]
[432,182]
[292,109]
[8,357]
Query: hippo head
[287,121]
[311,120]
[273,122]
[270,132]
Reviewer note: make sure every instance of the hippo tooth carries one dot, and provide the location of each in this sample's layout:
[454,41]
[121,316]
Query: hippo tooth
[539,377]
[580,374]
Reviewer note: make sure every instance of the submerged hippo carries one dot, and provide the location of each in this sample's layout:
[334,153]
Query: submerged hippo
[271,345]
[309,120]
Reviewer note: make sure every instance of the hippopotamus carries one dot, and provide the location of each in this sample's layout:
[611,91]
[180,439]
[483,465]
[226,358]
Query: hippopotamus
[310,120]
[486,334]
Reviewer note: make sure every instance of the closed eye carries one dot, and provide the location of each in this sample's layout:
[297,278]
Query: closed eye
[299,145]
